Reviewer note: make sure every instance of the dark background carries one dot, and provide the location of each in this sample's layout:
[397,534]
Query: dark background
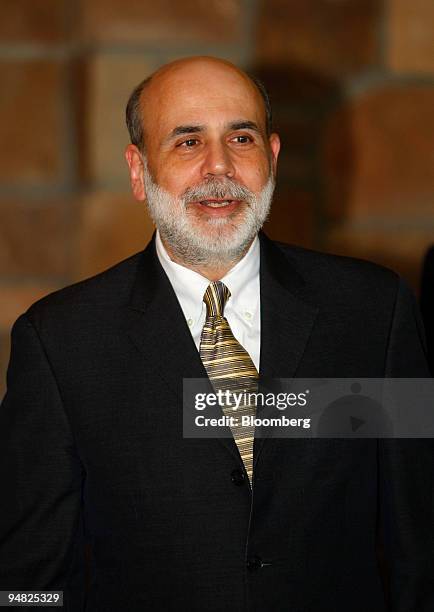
[352,86]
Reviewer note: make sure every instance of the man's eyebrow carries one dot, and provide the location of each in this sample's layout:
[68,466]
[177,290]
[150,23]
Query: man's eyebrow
[244,125]
[185,129]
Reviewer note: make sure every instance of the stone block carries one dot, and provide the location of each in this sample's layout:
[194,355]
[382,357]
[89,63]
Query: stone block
[109,81]
[329,36]
[27,21]
[113,227]
[410,35]
[166,21]
[377,155]
[34,237]
[31,128]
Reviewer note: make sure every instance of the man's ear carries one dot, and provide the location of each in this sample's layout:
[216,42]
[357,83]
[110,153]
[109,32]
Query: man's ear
[274,141]
[135,164]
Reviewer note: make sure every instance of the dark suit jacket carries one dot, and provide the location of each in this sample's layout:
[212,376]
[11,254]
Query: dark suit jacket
[427,303]
[92,449]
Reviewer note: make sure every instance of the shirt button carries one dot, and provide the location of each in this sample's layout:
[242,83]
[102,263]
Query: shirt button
[190,322]
[247,315]
[254,564]
[238,478]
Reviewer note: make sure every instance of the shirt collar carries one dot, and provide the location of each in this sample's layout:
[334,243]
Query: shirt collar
[242,281]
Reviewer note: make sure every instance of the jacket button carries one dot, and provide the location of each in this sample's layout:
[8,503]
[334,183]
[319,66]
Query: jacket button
[254,564]
[238,478]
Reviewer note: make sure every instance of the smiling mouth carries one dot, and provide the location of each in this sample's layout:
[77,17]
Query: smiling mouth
[218,203]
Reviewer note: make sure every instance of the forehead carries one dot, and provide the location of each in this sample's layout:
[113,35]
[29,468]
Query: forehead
[208,95]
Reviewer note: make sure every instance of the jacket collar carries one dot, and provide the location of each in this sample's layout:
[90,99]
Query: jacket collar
[287,314]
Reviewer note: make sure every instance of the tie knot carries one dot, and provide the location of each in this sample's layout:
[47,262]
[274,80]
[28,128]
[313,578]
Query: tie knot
[215,298]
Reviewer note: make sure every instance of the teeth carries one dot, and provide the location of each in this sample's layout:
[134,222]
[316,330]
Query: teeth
[217,204]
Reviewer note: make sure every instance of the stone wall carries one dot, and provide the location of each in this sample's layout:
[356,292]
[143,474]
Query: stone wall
[352,85]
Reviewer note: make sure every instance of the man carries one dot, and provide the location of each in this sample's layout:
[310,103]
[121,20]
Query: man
[91,426]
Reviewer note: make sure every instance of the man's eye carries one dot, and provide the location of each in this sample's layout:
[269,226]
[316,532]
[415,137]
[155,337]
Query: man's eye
[189,143]
[243,139]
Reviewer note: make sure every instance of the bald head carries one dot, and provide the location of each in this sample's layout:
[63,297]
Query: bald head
[170,81]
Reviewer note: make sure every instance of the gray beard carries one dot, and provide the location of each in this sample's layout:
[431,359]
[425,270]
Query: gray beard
[226,239]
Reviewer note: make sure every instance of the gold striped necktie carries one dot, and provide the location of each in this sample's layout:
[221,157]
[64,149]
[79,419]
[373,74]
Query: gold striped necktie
[229,367]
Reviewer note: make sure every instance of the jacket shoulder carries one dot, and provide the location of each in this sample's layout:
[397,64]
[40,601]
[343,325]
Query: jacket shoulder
[109,289]
[323,268]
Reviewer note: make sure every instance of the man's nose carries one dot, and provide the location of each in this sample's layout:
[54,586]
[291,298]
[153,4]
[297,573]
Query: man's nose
[217,161]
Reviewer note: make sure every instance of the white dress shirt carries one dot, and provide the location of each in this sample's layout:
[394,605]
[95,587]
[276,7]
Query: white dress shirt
[242,309]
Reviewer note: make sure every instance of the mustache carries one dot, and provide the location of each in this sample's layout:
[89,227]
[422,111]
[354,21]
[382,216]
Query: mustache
[217,188]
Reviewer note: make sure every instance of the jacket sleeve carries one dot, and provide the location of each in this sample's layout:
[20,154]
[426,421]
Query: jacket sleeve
[40,474]
[406,477]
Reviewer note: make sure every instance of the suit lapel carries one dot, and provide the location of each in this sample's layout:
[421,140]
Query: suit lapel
[157,327]
[287,318]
